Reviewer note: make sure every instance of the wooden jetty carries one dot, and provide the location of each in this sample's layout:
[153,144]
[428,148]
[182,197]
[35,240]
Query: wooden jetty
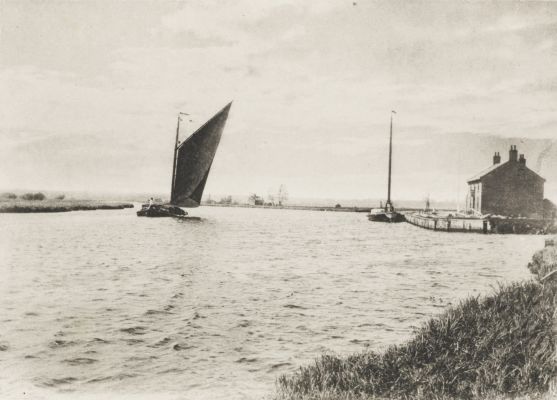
[483,224]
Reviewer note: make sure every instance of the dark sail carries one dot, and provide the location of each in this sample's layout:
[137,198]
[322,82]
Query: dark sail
[194,158]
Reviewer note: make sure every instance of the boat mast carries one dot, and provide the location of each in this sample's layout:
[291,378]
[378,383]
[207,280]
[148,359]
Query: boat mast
[175,154]
[388,206]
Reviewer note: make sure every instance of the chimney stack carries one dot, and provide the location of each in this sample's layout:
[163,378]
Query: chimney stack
[513,154]
[496,158]
[522,160]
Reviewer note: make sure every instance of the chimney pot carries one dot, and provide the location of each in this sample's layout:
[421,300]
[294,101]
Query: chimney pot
[513,153]
[496,158]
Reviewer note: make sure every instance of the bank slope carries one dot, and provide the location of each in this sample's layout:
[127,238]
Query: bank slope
[484,347]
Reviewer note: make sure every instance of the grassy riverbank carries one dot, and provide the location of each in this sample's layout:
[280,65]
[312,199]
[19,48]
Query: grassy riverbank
[496,347]
[52,205]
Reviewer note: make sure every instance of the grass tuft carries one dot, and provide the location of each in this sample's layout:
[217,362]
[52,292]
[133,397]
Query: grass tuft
[501,345]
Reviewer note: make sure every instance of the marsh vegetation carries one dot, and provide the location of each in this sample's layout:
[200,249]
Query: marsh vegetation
[499,346]
[25,204]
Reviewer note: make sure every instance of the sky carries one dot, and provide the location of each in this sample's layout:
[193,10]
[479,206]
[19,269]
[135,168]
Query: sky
[90,91]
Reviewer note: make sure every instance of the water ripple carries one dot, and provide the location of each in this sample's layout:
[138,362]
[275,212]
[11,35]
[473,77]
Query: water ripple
[219,307]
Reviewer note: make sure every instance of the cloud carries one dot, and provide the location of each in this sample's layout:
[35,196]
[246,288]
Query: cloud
[313,84]
[223,17]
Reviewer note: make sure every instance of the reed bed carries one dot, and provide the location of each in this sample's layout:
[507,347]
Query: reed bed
[54,205]
[495,347]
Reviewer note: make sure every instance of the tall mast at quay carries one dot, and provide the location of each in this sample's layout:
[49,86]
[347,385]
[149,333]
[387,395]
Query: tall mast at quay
[388,205]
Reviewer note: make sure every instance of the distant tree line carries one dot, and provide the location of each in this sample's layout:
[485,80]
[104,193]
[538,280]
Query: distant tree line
[33,196]
[29,196]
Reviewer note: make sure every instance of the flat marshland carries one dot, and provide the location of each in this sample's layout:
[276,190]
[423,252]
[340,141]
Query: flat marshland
[56,205]
[499,346]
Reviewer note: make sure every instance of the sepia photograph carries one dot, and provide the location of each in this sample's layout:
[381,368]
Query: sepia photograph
[278,200]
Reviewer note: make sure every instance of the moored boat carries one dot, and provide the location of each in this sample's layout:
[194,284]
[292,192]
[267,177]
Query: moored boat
[382,215]
[387,213]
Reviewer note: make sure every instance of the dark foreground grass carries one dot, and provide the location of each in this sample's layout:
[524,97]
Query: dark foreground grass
[502,345]
[60,205]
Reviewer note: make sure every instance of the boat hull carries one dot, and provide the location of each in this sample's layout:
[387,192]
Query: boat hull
[160,211]
[386,217]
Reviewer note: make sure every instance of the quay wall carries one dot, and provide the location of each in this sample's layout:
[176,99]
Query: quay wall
[482,225]
[478,225]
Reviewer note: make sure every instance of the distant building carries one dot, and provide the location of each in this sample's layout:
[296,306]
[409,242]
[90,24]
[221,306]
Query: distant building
[225,200]
[510,189]
[255,200]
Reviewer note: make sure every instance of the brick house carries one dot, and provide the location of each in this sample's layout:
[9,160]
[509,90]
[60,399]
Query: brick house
[510,189]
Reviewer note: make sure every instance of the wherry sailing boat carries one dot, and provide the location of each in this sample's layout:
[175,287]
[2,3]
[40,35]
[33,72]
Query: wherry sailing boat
[388,213]
[190,167]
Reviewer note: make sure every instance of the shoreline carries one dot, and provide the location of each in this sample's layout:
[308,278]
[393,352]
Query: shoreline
[307,208]
[56,206]
[481,224]
[491,347]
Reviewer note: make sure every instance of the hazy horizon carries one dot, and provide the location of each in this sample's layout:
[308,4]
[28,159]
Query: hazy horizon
[91,91]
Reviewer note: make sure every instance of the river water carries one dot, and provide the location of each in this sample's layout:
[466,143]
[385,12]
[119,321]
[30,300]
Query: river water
[102,304]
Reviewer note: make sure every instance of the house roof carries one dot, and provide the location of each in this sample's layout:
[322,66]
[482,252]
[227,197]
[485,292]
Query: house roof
[486,171]
[492,168]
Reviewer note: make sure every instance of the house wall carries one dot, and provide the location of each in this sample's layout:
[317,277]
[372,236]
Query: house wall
[512,190]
